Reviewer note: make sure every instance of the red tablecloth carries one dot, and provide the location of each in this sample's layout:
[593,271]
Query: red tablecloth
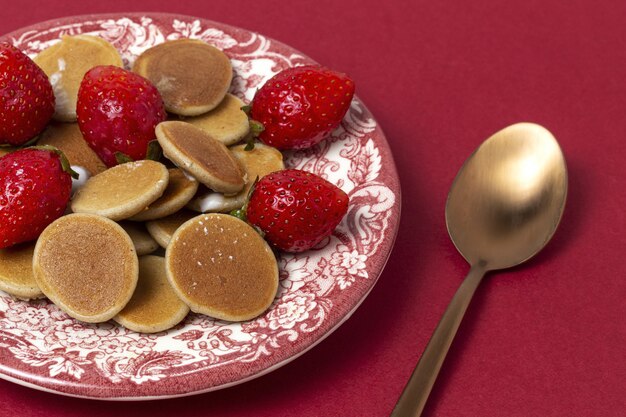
[545,339]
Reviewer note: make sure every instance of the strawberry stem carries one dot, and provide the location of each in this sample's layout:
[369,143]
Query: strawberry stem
[65,163]
[154,151]
[122,158]
[240,213]
[30,143]
[249,144]
[256,127]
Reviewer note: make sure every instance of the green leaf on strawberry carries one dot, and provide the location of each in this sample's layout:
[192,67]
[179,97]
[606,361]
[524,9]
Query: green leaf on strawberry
[65,163]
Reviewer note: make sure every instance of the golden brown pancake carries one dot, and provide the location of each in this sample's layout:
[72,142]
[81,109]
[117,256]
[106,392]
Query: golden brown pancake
[154,307]
[87,266]
[226,123]
[144,243]
[192,76]
[260,161]
[220,266]
[16,272]
[122,191]
[163,229]
[205,158]
[67,138]
[257,162]
[67,61]
[180,189]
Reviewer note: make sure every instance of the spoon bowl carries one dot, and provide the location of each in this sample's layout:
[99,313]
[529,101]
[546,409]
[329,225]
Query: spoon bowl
[507,199]
[503,207]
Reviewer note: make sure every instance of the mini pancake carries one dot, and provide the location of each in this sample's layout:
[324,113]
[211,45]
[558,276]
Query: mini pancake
[180,189]
[205,158]
[67,138]
[192,76]
[143,242]
[16,272]
[66,62]
[87,266]
[257,162]
[122,191]
[162,229]
[220,266]
[226,123]
[154,307]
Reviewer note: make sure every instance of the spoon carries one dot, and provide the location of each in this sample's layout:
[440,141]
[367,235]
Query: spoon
[504,206]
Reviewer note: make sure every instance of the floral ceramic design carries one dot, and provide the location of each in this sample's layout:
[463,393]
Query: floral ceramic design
[42,347]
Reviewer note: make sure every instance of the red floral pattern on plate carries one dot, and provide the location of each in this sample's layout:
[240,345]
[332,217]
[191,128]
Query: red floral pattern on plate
[41,346]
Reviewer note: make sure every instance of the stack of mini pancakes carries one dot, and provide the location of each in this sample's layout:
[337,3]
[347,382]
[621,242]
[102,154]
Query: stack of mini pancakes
[144,242]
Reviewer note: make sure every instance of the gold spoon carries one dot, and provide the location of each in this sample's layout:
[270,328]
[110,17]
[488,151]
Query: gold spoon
[504,206]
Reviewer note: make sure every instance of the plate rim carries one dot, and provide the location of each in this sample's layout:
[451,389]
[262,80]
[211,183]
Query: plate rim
[393,183]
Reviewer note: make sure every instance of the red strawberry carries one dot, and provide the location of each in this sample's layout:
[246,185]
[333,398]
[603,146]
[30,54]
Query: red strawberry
[117,112]
[35,186]
[26,97]
[296,209]
[300,106]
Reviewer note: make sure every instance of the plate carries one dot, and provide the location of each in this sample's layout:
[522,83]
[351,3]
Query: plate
[42,347]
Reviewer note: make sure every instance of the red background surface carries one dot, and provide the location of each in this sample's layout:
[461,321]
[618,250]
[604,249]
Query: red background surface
[544,339]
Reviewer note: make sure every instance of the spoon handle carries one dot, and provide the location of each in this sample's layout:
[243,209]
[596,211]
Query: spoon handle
[415,394]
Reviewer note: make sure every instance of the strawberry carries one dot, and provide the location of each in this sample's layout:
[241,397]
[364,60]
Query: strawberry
[117,112]
[35,187]
[295,209]
[300,106]
[26,97]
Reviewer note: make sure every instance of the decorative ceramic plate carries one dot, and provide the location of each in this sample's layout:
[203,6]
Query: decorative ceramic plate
[41,347]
